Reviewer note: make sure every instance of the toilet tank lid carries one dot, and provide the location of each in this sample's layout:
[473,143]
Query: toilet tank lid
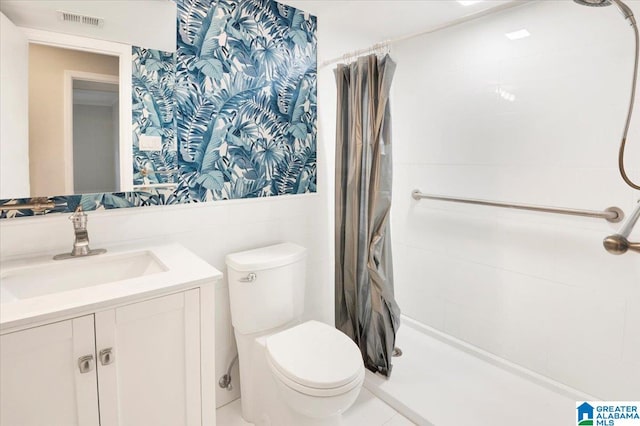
[266,257]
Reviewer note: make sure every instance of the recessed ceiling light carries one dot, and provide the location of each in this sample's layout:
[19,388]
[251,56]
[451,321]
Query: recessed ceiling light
[469,2]
[506,95]
[517,35]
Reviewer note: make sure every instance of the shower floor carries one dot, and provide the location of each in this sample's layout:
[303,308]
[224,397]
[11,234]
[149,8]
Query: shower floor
[446,384]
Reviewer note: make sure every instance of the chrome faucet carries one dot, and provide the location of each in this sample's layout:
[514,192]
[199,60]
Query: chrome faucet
[81,242]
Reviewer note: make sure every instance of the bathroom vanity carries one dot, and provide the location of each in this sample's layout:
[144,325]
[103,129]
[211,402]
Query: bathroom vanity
[123,338]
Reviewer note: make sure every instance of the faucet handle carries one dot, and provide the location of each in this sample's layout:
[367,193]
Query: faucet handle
[81,242]
[79,218]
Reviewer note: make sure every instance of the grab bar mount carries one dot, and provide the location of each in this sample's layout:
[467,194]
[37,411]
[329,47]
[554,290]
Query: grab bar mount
[619,243]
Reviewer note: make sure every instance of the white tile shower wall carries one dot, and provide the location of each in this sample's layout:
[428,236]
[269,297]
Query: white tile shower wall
[536,289]
[211,230]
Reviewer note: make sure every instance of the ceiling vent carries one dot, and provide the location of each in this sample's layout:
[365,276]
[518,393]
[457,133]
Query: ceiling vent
[80,19]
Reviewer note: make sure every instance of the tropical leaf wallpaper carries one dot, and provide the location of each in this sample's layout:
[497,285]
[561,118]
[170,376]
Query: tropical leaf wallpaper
[153,105]
[243,97]
[246,99]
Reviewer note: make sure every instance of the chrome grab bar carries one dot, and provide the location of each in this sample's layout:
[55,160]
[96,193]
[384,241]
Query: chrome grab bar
[611,214]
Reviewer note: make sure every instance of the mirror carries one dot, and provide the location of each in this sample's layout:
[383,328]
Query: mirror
[73,122]
[155,161]
[71,148]
[231,114]
[78,94]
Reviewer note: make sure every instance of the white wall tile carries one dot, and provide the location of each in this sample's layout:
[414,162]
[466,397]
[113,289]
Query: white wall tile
[534,288]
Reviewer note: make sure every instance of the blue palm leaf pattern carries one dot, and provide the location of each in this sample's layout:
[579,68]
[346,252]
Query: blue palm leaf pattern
[246,94]
[153,100]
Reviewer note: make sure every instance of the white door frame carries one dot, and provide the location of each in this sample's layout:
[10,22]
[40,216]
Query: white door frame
[123,52]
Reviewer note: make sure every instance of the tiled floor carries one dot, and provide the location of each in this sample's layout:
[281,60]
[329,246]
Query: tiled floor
[367,411]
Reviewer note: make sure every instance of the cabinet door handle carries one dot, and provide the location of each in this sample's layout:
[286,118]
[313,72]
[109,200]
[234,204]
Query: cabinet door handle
[106,356]
[85,363]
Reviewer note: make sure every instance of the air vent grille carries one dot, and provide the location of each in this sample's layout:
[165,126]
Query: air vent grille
[80,19]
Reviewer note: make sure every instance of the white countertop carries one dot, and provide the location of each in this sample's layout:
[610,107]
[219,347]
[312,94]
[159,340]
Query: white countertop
[183,270]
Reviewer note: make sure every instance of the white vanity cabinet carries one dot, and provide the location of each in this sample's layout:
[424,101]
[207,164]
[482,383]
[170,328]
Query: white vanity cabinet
[40,380]
[140,363]
[125,338]
[149,369]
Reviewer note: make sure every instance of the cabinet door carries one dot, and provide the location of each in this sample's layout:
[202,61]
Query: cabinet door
[40,378]
[152,376]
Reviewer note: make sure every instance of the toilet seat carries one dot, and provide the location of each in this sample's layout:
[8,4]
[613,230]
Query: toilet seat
[315,359]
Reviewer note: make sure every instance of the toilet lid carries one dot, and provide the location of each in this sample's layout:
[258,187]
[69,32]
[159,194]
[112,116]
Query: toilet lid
[315,355]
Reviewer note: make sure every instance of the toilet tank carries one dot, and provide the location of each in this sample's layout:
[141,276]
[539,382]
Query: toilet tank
[266,287]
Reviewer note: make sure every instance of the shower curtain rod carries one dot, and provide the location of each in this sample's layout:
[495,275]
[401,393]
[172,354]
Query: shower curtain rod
[388,43]
[611,214]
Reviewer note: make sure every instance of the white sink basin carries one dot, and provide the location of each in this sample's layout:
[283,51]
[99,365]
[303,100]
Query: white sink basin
[72,274]
[37,289]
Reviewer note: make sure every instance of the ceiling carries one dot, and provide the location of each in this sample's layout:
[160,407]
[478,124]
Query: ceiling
[345,25]
[122,19]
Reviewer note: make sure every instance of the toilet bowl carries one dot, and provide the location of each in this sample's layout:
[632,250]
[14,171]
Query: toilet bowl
[291,372]
[317,369]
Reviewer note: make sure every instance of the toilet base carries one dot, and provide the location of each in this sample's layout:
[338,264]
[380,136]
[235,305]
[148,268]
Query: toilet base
[273,410]
[262,398]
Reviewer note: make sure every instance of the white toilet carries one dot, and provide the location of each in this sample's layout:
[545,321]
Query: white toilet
[291,373]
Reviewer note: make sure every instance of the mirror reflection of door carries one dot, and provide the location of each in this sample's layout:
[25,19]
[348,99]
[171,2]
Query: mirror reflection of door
[55,157]
[95,133]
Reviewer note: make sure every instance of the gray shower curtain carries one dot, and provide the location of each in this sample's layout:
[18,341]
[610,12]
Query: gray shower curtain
[365,306]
